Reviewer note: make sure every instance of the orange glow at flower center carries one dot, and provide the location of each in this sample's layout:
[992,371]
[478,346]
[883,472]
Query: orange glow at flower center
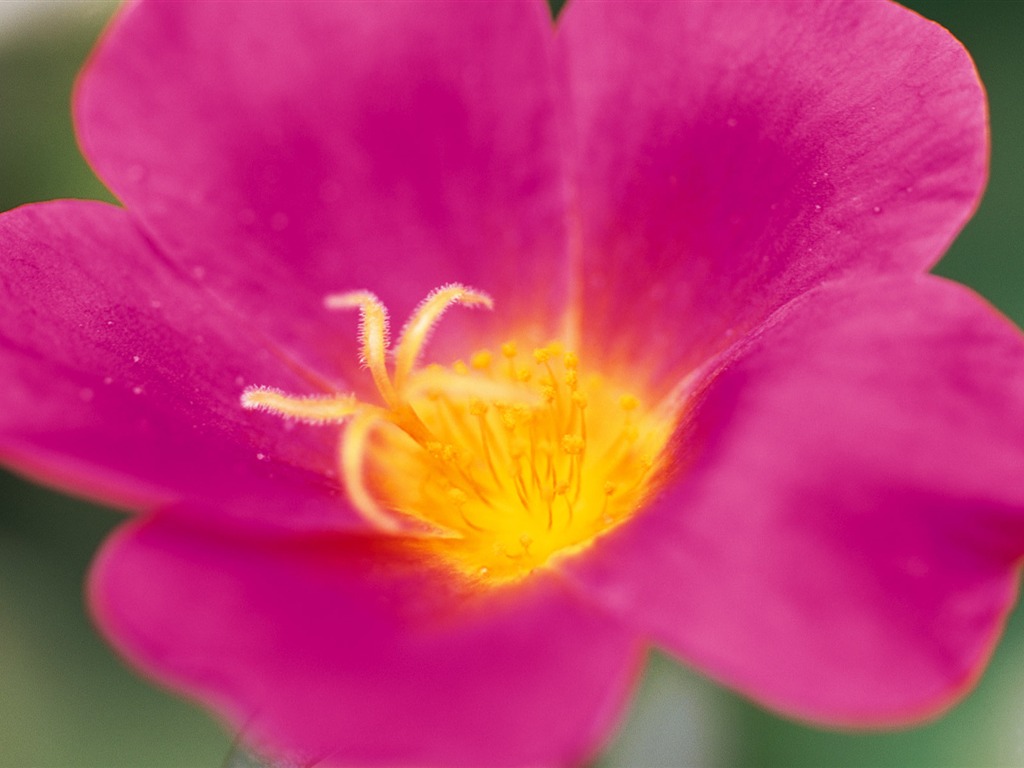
[495,466]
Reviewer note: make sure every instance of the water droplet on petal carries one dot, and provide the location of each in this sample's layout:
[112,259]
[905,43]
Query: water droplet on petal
[876,209]
[136,390]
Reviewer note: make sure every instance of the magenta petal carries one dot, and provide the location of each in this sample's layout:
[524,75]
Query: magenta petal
[844,545]
[346,651]
[122,377]
[287,150]
[733,154]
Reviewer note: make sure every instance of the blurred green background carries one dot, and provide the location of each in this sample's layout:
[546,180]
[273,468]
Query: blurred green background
[66,700]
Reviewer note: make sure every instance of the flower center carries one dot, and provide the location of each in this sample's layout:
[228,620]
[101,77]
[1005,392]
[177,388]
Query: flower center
[495,466]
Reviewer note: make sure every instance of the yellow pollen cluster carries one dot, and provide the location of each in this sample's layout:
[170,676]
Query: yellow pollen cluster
[492,466]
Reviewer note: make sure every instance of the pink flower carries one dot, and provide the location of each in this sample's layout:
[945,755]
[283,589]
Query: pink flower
[715,404]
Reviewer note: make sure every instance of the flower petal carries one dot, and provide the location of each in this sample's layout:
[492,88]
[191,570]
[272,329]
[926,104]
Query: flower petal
[345,649]
[122,377]
[732,155]
[285,151]
[844,543]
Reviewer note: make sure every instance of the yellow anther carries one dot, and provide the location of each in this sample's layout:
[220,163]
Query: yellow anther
[460,367]
[434,448]
[477,407]
[547,392]
[541,355]
[579,400]
[508,349]
[481,360]
[628,403]
[523,374]
[573,444]
[509,419]
[572,378]
[449,453]
[572,361]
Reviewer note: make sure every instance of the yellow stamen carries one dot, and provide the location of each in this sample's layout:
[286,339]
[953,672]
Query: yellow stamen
[492,473]
[481,360]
